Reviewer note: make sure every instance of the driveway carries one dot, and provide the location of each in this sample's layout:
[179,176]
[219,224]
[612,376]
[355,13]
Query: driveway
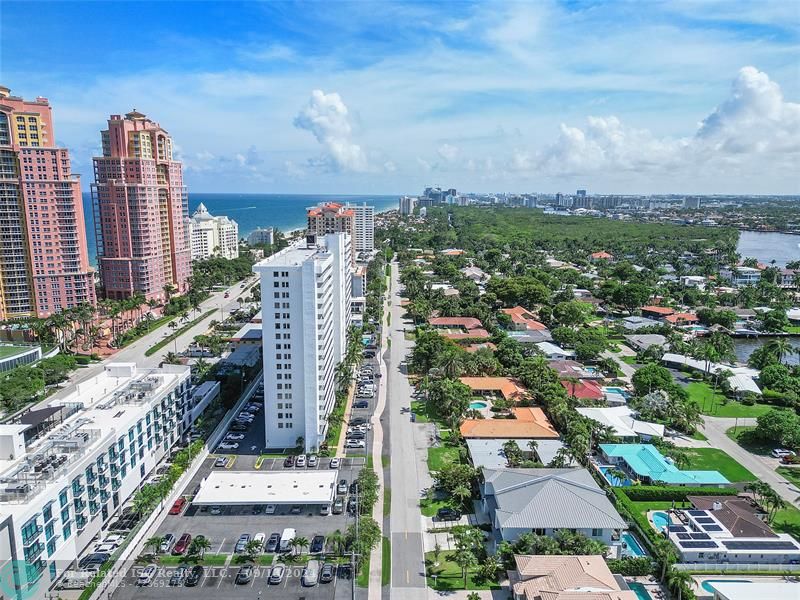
[762,467]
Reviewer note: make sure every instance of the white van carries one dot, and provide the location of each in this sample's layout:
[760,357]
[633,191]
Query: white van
[286,539]
[310,574]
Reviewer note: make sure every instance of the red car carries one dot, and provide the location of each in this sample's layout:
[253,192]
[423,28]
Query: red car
[177,508]
[183,544]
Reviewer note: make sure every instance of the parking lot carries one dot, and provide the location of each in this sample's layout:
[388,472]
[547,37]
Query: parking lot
[222,525]
[220,582]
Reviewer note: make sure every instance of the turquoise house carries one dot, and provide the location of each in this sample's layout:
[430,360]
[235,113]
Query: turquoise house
[646,463]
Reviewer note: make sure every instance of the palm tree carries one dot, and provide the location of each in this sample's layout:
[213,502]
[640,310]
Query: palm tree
[677,581]
[533,446]
[465,559]
[780,347]
[665,556]
[299,543]
[170,358]
[337,540]
[199,545]
[154,543]
[252,548]
[461,494]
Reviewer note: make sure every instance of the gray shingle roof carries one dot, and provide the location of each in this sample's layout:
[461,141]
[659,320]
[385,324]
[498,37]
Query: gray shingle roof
[549,498]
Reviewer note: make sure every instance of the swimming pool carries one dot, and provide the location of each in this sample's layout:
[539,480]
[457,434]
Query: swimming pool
[633,547]
[592,370]
[616,390]
[708,586]
[615,481]
[478,405]
[661,520]
[639,590]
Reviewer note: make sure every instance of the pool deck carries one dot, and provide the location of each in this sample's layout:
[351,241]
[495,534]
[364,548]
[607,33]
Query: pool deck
[699,579]
[651,586]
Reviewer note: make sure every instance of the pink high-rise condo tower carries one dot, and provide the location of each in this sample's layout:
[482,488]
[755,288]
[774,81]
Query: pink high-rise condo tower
[44,260]
[141,211]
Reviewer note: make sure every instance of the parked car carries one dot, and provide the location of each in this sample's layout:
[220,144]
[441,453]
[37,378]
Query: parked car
[448,514]
[178,575]
[334,464]
[324,510]
[147,575]
[357,421]
[96,558]
[178,506]
[317,544]
[273,542]
[351,505]
[215,510]
[312,461]
[360,404]
[338,505]
[105,548]
[270,509]
[241,543]
[245,575]
[194,576]
[326,573]
[182,544]
[288,461]
[295,510]
[341,487]
[260,537]
[300,462]
[310,574]
[239,426]
[276,575]
[355,435]
[355,444]
[781,452]
[167,542]
[790,460]
[221,462]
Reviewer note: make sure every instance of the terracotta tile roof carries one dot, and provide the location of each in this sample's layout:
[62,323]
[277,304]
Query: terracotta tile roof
[602,255]
[522,316]
[530,422]
[583,389]
[662,311]
[682,318]
[465,322]
[564,577]
[509,388]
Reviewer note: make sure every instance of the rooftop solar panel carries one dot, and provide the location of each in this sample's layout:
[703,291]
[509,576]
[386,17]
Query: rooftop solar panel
[700,536]
[684,536]
[759,545]
[704,520]
[697,513]
[698,545]
[676,528]
[712,527]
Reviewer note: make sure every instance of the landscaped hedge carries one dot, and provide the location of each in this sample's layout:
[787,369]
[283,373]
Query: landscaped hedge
[654,493]
[629,510]
[631,566]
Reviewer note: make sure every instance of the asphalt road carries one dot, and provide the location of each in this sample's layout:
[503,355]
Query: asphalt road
[405,522]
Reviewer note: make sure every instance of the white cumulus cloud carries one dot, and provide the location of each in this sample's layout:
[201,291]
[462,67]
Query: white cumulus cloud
[327,117]
[448,152]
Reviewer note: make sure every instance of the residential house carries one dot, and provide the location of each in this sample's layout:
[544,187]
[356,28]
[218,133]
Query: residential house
[728,529]
[476,274]
[635,323]
[523,320]
[741,380]
[789,278]
[529,422]
[741,276]
[571,368]
[543,501]
[693,281]
[601,256]
[682,318]
[459,328]
[645,463]
[506,387]
[643,341]
[583,389]
[488,453]
[553,352]
[621,419]
[566,577]
[656,312]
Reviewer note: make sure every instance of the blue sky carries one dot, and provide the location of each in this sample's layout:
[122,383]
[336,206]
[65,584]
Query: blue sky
[387,97]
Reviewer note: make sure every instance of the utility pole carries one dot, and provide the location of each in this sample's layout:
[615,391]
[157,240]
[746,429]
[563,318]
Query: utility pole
[353,551]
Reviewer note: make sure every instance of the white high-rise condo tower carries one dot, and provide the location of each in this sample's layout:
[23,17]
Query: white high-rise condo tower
[305,299]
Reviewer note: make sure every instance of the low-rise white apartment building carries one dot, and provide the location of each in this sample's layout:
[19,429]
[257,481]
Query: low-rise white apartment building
[305,298]
[65,470]
[741,276]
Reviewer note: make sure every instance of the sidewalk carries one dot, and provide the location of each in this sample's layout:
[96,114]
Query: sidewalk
[375,559]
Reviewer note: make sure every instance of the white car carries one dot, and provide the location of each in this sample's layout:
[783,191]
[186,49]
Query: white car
[270,509]
[228,446]
[781,452]
[334,464]
[312,461]
[234,437]
[260,538]
[147,575]
[355,444]
[301,461]
[105,548]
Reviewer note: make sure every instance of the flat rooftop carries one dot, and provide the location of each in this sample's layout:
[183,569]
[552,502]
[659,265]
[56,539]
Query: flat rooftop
[293,256]
[269,487]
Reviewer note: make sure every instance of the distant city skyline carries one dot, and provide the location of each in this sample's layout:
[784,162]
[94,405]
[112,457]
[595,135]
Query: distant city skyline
[672,97]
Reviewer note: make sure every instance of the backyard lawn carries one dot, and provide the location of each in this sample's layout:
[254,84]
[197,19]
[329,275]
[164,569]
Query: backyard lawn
[717,405]
[712,459]
[449,577]
[790,473]
[787,521]
[441,456]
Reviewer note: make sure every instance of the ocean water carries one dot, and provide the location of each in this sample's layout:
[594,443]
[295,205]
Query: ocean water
[251,211]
